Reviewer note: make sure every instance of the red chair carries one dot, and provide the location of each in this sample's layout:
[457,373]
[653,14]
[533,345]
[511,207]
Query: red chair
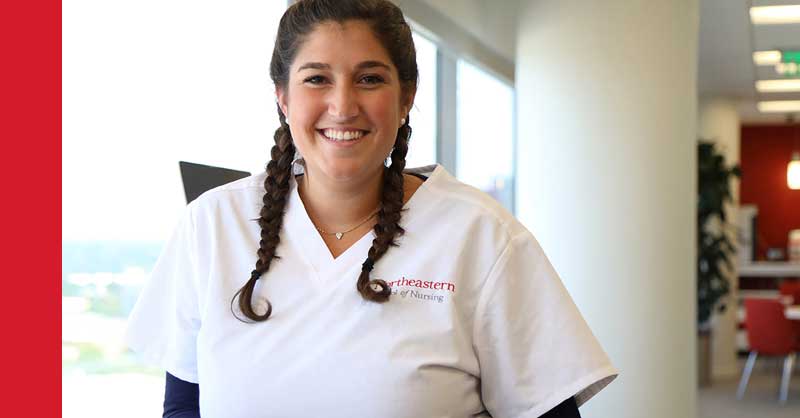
[769,333]
[791,288]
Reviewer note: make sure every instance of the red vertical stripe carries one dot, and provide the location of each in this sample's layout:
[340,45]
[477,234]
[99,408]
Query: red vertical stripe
[30,131]
[765,153]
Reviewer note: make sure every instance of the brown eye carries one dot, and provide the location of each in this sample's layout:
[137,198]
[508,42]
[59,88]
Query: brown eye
[316,79]
[372,79]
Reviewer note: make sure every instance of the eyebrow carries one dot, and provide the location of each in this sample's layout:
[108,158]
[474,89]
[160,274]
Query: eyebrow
[361,66]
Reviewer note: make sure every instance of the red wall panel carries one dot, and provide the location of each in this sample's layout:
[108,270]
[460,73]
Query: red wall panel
[765,153]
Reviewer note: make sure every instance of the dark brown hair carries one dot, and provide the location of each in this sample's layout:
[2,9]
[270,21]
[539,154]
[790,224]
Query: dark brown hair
[390,28]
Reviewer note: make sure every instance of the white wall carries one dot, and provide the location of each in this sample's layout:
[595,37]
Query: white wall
[606,181]
[719,122]
[493,22]
[479,31]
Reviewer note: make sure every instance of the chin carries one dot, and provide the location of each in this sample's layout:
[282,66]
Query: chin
[350,170]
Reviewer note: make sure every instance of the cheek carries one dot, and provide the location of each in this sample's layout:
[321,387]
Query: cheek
[304,109]
[384,110]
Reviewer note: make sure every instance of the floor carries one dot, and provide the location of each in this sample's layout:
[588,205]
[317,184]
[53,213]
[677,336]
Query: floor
[759,401]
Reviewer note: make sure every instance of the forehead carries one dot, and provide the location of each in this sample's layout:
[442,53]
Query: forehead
[341,45]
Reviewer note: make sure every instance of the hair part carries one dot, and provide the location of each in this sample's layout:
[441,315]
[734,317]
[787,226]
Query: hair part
[390,28]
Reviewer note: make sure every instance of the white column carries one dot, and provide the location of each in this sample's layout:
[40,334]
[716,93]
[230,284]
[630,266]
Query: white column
[719,122]
[607,111]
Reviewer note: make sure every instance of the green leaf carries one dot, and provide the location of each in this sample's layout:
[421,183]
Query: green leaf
[714,249]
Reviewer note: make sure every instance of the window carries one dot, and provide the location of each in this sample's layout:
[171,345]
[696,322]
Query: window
[145,84]
[422,147]
[485,145]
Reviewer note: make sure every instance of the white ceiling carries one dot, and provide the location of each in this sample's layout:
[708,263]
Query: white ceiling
[492,22]
[727,41]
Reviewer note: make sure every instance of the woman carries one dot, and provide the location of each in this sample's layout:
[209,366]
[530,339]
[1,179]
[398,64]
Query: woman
[376,292]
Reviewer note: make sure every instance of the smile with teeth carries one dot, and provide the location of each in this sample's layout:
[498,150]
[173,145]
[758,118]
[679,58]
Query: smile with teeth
[337,135]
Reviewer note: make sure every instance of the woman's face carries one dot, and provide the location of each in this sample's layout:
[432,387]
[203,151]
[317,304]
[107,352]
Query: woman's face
[343,102]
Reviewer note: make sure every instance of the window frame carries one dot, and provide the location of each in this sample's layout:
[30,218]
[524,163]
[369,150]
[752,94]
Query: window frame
[453,44]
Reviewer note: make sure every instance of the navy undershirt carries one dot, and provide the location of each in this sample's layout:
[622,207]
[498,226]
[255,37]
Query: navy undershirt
[181,400]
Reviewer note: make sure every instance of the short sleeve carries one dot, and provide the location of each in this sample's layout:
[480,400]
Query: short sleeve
[534,347]
[163,325]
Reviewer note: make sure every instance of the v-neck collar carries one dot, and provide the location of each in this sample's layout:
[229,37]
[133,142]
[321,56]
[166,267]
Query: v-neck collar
[311,247]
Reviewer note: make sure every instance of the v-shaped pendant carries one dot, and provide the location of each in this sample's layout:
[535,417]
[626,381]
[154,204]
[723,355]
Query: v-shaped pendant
[339,235]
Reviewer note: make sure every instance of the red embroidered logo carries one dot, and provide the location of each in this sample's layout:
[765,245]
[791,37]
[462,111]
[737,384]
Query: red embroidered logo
[426,284]
[421,284]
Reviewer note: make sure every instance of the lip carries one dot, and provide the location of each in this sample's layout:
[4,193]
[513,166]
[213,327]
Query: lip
[343,128]
[344,144]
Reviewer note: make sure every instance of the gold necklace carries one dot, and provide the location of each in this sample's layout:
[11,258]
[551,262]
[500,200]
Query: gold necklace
[339,235]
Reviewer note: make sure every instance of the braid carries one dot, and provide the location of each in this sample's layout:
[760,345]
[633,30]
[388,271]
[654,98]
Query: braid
[388,226]
[276,186]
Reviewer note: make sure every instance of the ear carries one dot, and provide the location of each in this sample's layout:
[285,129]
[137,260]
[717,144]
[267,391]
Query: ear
[280,94]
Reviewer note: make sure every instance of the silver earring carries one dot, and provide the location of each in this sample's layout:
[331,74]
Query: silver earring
[403,121]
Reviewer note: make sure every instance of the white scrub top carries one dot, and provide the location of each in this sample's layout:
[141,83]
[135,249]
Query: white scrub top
[478,324]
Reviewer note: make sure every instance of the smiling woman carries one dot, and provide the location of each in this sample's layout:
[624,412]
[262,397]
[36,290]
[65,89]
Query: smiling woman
[344,102]
[296,278]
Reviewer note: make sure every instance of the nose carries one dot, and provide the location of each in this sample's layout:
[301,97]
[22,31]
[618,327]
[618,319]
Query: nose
[343,102]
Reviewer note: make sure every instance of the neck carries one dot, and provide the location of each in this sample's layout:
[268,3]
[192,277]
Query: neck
[334,205]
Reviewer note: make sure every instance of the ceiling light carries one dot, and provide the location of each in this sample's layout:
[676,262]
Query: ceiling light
[775,15]
[766,57]
[782,106]
[778,86]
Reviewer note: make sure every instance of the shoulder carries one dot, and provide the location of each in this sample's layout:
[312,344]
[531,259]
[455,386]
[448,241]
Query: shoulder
[450,198]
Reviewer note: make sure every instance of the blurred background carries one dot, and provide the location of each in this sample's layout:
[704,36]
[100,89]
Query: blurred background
[582,118]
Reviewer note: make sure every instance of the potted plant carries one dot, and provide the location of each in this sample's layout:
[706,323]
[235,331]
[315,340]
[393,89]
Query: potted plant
[714,246]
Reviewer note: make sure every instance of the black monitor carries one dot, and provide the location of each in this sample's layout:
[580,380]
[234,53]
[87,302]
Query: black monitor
[199,178]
